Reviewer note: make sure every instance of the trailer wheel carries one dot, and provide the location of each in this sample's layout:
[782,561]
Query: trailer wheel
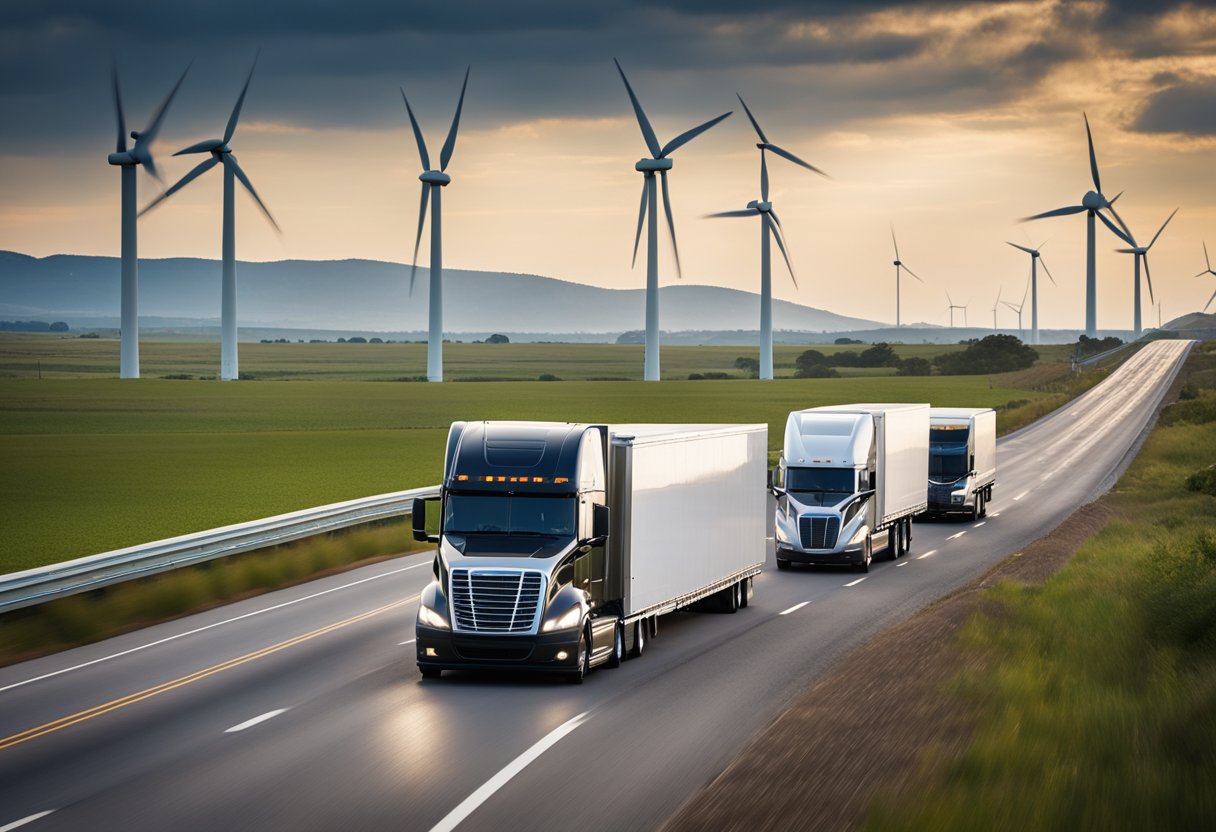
[783,564]
[983,502]
[745,586]
[895,543]
[907,536]
[639,639]
[618,645]
[577,676]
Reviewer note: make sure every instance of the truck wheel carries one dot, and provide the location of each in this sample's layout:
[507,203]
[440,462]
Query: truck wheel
[728,599]
[983,498]
[867,555]
[893,544]
[907,536]
[639,639]
[430,672]
[577,676]
[744,591]
[783,564]
[618,645]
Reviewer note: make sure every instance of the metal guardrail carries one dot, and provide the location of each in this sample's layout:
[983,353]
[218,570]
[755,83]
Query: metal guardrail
[1094,359]
[58,580]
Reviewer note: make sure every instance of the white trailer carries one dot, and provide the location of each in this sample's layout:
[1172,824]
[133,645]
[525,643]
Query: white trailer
[560,545]
[962,460]
[848,472]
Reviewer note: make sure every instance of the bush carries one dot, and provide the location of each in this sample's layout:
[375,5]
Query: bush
[178,376]
[1189,391]
[993,354]
[499,339]
[842,341]
[1203,481]
[817,371]
[355,339]
[807,360]
[879,355]
[914,367]
[244,376]
[548,377]
[1093,346]
[750,366]
[1198,411]
[708,376]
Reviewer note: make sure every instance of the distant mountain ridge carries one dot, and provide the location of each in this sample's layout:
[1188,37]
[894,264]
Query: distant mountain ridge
[373,295]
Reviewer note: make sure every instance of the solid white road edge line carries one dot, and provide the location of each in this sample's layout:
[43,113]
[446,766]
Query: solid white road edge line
[794,608]
[856,582]
[1020,496]
[926,554]
[212,626]
[977,525]
[470,803]
[249,723]
[24,821]
[995,514]
[956,536]
[905,563]
[411,641]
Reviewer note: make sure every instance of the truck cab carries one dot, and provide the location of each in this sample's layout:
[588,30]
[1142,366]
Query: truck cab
[962,460]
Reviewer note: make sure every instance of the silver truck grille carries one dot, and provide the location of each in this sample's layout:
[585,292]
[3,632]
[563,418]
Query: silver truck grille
[492,601]
[818,532]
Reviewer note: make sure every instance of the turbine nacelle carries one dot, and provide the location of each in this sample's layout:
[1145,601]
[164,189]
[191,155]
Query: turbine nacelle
[435,177]
[1094,201]
[763,206]
[124,158]
[653,165]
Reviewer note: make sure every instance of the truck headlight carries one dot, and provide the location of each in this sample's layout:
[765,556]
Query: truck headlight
[428,617]
[958,496]
[568,620]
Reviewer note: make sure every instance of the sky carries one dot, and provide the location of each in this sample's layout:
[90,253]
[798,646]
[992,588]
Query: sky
[947,120]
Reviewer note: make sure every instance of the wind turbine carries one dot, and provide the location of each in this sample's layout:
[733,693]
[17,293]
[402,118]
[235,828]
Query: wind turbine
[954,306]
[221,154]
[1019,307]
[1035,257]
[770,223]
[658,162]
[1093,203]
[128,159]
[1140,254]
[995,305]
[899,265]
[1207,262]
[433,183]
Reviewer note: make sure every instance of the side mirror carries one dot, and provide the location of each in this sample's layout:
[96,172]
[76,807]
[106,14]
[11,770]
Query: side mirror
[418,521]
[773,489]
[601,519]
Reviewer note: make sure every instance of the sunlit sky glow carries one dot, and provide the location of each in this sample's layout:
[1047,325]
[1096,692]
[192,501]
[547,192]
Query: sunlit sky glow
[949,120]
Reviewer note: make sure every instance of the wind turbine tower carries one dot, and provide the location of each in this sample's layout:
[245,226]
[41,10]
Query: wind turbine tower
[1092,204]
[221,154]
[770,224]
[1035,257]
[127,159]
[1207,262]
[1019,307]
[996,305]
[658,162]
[900,266]
[1140,255]
[954,306]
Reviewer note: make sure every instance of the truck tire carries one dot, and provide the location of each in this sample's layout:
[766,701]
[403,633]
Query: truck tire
[983,502]
[639,639]
[907,536]
[618,645]
[577,675]
[783,564]
[430,672]
[729,599]
[745,587]
[867,555]
[893,542]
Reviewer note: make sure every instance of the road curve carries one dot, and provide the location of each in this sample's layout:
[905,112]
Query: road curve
[301,709]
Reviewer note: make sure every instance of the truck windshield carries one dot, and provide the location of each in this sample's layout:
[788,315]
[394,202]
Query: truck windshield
[469,514]
[832,484]
[948,467]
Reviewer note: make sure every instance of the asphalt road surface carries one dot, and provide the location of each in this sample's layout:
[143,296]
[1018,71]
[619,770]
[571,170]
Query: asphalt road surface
[302,709]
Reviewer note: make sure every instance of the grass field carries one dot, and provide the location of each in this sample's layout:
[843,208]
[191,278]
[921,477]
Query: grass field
[94,463]
[1095,693]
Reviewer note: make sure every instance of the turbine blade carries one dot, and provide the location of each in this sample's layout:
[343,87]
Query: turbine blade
[744,212]
[776,232]
[671,226]
[153,127]
[776,219]
[909,271]
[950,300]
[230,161]
[204,146]
[652,143]
[240,102]
[752,119]
[1114,229]
[893,241]
[426,195]
[150,166]
[998,298]
[1149,276]
[785,154]
[1029,251]
[763,177]
[445,155]
[1011,306]
[1111,205]
[1209,303]
[121,145]
[1093,160]
[422,154]
[1043,263]
[1205,255]
[1059,212]
[688,135]
[637,238]
[1162,228]
[201,168]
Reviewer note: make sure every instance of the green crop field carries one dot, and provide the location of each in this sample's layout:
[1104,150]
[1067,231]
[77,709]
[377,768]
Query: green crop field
[94,463]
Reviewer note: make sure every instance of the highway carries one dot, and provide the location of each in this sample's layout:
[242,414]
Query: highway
[302,709]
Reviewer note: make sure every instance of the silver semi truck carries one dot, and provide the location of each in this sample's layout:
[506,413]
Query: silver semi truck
[848,472]
[962,460]
[560,545]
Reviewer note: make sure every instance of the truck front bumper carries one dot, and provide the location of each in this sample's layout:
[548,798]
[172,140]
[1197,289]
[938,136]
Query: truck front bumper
[545,652]
[850,555]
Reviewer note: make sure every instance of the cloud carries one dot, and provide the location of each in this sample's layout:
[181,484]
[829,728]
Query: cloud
[1188,107]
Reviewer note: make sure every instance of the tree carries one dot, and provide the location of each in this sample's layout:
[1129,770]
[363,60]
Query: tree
[750,366]
[808,359]
[993,354]
[817,371]
[914,367]
[848,341]
[879,355]
[59,326]
[498,339]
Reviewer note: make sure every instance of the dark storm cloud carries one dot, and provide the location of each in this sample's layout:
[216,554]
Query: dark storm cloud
[1189,107]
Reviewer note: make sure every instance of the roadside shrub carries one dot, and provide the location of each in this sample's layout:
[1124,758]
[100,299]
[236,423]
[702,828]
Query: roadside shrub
[1189,391]
[1198,411]
[547,377]
[750,366]
[178,376]
[914,367]
[1203,481]
[708,376]
[244,376]
[817,371]
[993,354]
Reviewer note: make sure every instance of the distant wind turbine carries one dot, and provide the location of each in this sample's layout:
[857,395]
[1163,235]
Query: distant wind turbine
[770,224]
[952,307]
[433,183]
[1092,204]
[1140,255]
[1207,262]
[899,265]
[1018,308]
[658,162]
[1035,257]
[996,305]
[128,159]
[221,154]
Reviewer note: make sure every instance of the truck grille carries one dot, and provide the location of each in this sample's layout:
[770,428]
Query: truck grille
[490,601]
[818,532]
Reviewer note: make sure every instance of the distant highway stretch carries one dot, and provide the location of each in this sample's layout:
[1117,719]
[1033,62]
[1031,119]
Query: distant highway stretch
[302,709]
